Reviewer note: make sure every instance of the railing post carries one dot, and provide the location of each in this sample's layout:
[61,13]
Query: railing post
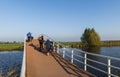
[72,56]
[109,67]
[85,61]
[58,48]
[64,52]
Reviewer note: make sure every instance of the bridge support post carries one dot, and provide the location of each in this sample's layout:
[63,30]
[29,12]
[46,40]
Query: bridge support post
[85,61]
[109,68]
[64,52]
[58,48]
[72,56]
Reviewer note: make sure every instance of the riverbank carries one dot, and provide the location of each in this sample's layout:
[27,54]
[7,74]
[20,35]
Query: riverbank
[110,43]
[11,46]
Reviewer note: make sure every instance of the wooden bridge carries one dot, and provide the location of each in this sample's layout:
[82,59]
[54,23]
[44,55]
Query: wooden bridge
[39,64]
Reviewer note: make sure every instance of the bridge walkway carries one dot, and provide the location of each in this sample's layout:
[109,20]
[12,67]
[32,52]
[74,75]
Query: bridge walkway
[39,64]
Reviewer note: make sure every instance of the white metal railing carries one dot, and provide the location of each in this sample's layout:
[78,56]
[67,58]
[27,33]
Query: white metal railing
[23,68]
[85,58]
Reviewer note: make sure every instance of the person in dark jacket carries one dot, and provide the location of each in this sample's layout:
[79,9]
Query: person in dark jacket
[41,41]
[48,46]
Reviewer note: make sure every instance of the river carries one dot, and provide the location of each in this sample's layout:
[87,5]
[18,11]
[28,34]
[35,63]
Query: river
[107,51]
[10,60]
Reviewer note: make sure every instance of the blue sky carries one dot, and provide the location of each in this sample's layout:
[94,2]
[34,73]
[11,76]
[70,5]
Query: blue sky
[63,20]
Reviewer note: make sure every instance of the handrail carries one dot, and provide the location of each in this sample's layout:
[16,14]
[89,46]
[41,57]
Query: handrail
[23,68]
[97,62]
[97,55]
[85,58]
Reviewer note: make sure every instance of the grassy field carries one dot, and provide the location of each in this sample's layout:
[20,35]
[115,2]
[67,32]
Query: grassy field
[72,44]
[11,46]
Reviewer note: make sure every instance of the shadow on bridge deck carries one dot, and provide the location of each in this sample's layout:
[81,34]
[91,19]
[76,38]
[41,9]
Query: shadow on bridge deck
[41,65]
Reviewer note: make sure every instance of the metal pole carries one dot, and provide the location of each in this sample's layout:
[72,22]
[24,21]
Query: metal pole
[85,61]
[72,56]
[58,48]
[109,68]
[64,52]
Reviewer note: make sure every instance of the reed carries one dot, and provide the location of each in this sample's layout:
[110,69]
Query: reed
[13,72]
[0,73]
[11,46]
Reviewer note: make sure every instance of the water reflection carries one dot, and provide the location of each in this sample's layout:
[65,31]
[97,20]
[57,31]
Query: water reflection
[93,50]
[10,63]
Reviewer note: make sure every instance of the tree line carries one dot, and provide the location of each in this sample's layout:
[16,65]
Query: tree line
[109,43]
[90,38]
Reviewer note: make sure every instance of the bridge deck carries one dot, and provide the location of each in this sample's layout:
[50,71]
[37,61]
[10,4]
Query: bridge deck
[40,65]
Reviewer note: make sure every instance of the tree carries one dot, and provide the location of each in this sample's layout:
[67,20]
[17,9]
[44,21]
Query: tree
[90,38]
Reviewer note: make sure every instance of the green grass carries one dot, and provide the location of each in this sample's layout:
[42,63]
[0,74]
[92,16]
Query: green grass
[11,46]
[72,44]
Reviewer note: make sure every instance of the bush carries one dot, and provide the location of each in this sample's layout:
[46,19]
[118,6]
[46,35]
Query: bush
[90,38]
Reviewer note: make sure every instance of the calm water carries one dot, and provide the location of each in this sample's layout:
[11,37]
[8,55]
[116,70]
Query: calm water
[8,60]
[107,51]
